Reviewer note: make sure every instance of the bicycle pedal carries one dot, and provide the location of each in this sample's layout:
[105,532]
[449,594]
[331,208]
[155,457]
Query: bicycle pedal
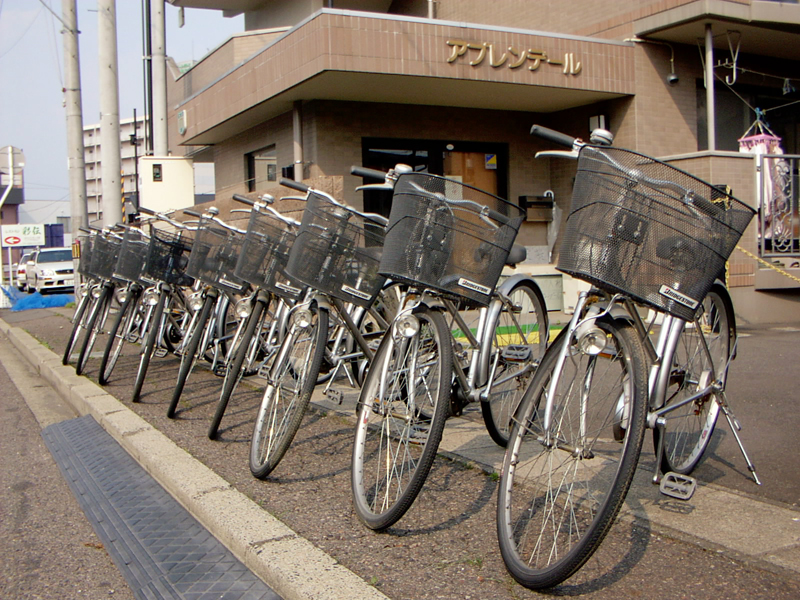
[263,371]
[677,486]
[220,370]
[516,353]
[160,352]
[336,396]
[131,338]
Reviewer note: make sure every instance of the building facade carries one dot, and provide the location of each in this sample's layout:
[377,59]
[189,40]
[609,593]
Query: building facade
[453,86]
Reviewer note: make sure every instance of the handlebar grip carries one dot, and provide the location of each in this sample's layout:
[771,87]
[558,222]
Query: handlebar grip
[551,135]
[243,200]
[499,217]
[192,213]
[295,185]
[146,211]
[367,173]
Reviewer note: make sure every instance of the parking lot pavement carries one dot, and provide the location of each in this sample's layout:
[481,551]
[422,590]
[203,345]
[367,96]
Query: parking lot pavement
[720,516]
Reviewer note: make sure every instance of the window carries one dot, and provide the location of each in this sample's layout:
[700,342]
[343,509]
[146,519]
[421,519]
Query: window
[481,165]
[262,168]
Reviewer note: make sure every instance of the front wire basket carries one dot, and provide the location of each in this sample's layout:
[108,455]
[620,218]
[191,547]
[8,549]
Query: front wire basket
[448,236]
[105,250]
[132,255]
[337,252]
[265,252]
[643,228]
[214,256]
[85,245]
[167,257]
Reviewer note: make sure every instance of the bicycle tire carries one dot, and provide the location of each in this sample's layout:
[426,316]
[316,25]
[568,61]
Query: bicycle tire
[383,490]
[153,330]
[525,330]
[233,373]
[93,324]
[558,500]
[77,324]
[689,428]
[295,370]
[116,340]
[189,353]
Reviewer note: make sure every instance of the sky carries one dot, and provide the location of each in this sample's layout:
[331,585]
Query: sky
[32,114]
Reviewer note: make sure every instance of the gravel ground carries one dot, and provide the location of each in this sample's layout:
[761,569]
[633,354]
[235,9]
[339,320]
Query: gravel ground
[446,546]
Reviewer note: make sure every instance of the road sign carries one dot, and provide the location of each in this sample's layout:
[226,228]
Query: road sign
[22,235]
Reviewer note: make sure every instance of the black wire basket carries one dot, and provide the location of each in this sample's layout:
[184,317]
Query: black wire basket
[337,252]
[105,250]
[132,255]
[167,258]
[214,256]
[448,236]
[643,228]
[85,245]
[265,252]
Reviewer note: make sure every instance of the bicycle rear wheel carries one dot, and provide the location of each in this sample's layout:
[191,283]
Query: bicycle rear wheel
[519,339]
[292,380]
[700,359]
[404,404]
[560,494]
[151,339]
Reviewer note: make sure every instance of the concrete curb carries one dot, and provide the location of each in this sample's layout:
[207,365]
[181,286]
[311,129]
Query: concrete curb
[290,564]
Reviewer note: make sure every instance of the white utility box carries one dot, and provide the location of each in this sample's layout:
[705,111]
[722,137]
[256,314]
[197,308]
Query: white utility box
[166,182]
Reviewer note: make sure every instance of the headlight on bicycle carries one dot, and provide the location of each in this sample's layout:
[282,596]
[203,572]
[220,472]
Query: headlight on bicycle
[195,302]
[591,339]
[96,290]
[150,297]
[406,326]
[122,295]
[303,318]
[243,308]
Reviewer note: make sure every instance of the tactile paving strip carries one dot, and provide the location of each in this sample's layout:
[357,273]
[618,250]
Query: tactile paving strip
[161,550]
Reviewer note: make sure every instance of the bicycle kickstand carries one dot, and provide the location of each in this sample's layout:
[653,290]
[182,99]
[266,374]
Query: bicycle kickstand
[736,427]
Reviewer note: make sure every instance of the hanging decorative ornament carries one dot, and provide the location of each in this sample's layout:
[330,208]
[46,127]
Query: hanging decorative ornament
[788,88]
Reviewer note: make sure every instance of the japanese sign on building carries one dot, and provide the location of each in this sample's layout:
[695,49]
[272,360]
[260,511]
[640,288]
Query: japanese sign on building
[22,235]
[512,57]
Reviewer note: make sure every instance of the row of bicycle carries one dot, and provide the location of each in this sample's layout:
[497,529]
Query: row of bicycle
[410,310]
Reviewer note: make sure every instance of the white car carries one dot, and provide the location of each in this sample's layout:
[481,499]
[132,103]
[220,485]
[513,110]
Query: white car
[22,280]
[50,269]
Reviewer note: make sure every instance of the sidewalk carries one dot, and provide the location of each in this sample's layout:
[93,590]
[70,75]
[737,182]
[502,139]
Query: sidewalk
[764,533]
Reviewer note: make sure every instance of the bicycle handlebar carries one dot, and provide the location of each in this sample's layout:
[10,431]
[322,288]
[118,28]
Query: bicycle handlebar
[484,211]
[244,200]
[376,218]
[551,135]
[295,185]
[367,173]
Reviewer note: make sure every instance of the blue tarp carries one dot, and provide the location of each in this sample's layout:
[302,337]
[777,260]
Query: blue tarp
[26,301]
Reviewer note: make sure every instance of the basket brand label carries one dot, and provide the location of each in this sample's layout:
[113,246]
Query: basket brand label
[287,288]
[230,284]
[356,293]
[678,297]
[471,285]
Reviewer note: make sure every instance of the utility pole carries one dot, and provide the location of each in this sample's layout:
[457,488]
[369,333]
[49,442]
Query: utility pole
[111,161]
[159,116]
[74,111]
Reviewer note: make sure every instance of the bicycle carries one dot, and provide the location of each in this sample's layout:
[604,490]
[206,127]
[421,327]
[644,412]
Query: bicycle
[642,233]
[130,318]
[262,260]
[212,261]
[84,246]
[105,249]
[335,254]
[164,302]
[449,242]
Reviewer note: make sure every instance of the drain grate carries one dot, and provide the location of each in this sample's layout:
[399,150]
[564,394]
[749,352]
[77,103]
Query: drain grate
[162,551]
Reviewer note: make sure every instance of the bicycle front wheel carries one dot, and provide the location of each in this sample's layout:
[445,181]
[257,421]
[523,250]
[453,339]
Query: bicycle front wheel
[151,339]
[96,320]
[700,359]
[120,332]
[78,322]
[519,338]
[561,489]
[291,382]
[404,404]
